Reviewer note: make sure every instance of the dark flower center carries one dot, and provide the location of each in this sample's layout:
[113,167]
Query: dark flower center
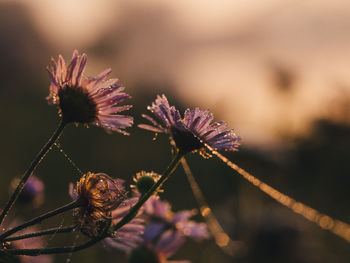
[76,105]
[185,140]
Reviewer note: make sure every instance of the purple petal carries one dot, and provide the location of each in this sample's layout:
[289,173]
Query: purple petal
[151,128]
[81,68]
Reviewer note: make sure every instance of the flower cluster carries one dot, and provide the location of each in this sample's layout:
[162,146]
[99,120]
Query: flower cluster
[155,232]
[141,225]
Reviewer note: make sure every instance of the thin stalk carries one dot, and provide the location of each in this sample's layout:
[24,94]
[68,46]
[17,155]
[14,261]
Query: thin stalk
[133,211]
[229,246]
[38,158]
[55,250]
[324,221]
[59,250]
[38,219]
[42,233]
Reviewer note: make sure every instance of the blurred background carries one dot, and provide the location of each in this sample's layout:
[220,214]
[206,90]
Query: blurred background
[276,71]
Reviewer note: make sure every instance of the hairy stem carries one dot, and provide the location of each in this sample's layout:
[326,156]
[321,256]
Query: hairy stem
[38,219]
[42,233]
[54,250]
[59,250]
[38,158]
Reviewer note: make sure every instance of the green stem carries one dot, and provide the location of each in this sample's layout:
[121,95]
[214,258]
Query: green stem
[31,169]
[42,233]
[38,219]
[133,211]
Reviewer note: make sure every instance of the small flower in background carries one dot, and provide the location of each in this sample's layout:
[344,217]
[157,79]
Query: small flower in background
[165,232]
[128,236]
[160,212]
[193,131]
[87,100]
[27,243]
[144,182]
[32,193]
[99,195]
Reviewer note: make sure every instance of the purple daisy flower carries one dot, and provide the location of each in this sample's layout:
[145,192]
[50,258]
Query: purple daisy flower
[87,100]
[165,232]
[192,132]
[99,195]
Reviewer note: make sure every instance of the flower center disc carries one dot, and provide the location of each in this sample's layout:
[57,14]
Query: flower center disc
[76,105]
[185,140]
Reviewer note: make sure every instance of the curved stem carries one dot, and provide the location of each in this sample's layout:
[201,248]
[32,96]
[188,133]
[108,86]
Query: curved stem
[31,169]
[42,233]
[38,219]
[324,221]
[59,250]
[231,247]
[54,250]
[133,211]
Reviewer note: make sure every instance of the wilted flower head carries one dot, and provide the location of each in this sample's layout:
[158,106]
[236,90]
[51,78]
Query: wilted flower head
[99,195]
[88,100]
[193,131]
[144,181]
[33,191]
[165,232]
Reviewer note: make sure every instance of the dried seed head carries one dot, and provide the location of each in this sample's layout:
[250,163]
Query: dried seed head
[99,195]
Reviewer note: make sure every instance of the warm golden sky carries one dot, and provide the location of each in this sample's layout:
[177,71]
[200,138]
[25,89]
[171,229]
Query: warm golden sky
[219,54]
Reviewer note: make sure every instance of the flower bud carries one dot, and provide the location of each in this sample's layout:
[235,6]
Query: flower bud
[144,181]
